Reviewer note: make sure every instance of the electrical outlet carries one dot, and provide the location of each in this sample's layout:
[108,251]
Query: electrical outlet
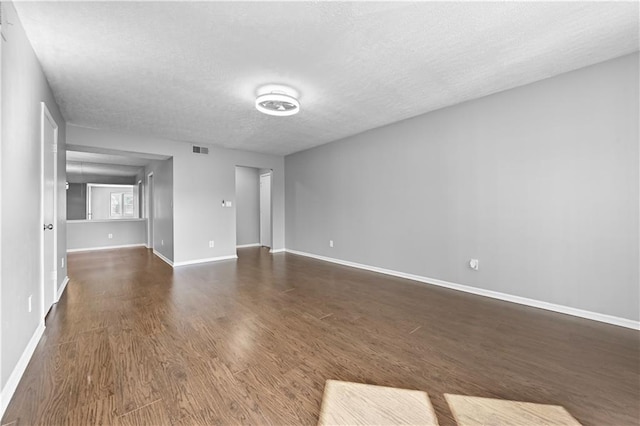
[330,243]
[110,236]
[212,244]
[29,302]
[474,264]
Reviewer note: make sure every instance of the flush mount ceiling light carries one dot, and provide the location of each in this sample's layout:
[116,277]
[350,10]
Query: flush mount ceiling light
[277,100]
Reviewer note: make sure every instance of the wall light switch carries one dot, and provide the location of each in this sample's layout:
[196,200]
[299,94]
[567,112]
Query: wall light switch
[330,243]
[228,204]
[29,303]
[62,263]
[161,242]
[110,236]
[212,244]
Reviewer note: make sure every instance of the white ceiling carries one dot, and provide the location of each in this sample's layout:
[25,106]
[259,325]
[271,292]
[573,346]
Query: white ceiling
[75,168]
[94,157]
[189,71]
[83,164]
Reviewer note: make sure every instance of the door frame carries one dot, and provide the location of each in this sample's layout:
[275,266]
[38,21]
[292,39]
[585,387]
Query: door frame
[151,214]
[269,225]
[46,115]
[141,197]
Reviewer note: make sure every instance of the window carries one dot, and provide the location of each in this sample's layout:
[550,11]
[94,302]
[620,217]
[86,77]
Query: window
[127,203]
[121,205]
[116,204]
[112,201]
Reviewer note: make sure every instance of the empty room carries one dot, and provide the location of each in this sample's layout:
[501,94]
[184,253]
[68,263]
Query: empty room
[310,212]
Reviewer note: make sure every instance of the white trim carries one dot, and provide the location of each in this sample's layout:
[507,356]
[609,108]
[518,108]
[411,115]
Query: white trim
[248,245]
[150,210]
[109,185]
[105,247]
[210,259]
[88,200]
[62,288]
[609,319]
[125,219]
[2,38]
[277,250]
[163,258]
[12,383]
[269,224]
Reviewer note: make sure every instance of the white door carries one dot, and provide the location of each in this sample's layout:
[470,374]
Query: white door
[265,210]
[49,230]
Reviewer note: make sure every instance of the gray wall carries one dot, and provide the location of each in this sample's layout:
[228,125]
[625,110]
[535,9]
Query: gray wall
[247,205]
[95,234]
[24,86]
[77,201]
[200,183]
[163,238]
[540,183]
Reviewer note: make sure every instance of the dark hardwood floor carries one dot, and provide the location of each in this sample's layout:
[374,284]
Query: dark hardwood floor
[252,341]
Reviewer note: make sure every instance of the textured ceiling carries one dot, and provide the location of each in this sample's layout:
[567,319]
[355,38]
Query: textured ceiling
[189,70]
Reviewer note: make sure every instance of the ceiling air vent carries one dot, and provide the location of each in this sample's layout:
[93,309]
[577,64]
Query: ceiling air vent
[200,150]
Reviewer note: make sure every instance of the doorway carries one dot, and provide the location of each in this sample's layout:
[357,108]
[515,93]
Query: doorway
[150,210]
[253,207]
[48,212]
[265,209]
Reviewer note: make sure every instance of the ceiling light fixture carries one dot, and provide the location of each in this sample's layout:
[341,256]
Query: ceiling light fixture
[277,100]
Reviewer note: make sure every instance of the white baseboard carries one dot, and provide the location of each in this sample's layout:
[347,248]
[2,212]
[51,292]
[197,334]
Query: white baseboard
[105,248]
[248,245]
[277,250]
[209,259]
[609,319]
[12,383]
[161,256]
[62,288]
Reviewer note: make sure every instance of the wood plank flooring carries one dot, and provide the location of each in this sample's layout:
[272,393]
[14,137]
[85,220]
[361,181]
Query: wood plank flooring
[252,341]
